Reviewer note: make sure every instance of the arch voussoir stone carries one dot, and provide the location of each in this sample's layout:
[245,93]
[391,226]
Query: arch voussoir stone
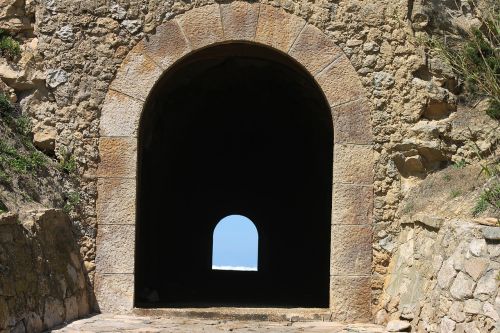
[350,282]
[277,28]
[314,50]
[167,45]
[239,20]
[340,82]
[137,74]
[202,26]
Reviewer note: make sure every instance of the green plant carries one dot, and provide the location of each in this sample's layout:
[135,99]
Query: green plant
[4,177]
[3,208]
[459,165]
[490,196]
[9,47]
[447,178]
[455,193]
[23,125]
[21,162]
[476,59]
[67,162]
[72,199]
[5,105]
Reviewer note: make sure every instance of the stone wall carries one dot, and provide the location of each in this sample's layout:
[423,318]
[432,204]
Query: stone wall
[42,281]
[72,50]
[444,277]
[77,47]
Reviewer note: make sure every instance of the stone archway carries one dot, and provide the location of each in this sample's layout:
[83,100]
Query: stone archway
[351,246]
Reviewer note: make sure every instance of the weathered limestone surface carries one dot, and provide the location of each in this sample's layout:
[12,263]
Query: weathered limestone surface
[115,292]
[43,280]
[116,201]
[120,115]
[202,26]
[118,157]
[277,28]
[239,20]
[444,279]
[352,204]
[114,323]
[314,49]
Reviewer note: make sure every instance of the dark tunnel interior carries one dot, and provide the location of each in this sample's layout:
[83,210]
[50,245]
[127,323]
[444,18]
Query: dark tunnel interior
[234,129]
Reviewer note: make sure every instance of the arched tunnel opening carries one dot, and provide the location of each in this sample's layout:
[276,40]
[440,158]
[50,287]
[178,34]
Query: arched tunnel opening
[234,129]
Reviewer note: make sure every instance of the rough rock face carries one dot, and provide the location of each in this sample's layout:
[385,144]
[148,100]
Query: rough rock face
[445,278]
[42,281]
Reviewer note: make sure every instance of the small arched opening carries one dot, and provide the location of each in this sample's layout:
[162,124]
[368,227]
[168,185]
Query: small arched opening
[235,245]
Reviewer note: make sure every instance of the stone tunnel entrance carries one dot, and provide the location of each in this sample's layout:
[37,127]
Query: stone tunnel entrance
[234,129]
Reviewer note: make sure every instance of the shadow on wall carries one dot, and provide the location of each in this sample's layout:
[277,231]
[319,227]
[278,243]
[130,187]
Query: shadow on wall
[42,280]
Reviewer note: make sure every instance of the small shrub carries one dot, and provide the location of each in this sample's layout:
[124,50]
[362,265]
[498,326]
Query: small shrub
[23,125]
[490,196]
[22,163]
[447,178]
[3,208]
[9,47]
[476,59]
[455,193]
[480,207]
[73,198]
[5,105]
[4,177]
[494,109]
[67,163]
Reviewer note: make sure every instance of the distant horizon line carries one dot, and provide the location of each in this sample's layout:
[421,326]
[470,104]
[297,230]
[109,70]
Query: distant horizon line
[234,268]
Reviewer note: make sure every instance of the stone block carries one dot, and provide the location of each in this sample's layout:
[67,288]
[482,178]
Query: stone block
[116,201]
[353,164]
[167,45]
[71,306]
[340,82]
[446,274]
[491,233]
[202,26]
[120,115]
[53,312]
[314,50]
[352,122]
[239,19]
[115,249]
[114,292]
[487,286]
[137,74]
[462,287]
[278,29]
[476,267]
[351,251]
[352,204]
[118,157]
[350,298]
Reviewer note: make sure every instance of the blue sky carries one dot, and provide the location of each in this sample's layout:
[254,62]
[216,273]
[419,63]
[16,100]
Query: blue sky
[235,244]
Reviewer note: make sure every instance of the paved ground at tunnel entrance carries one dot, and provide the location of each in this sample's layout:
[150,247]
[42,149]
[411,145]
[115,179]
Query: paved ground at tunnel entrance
[136,324]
